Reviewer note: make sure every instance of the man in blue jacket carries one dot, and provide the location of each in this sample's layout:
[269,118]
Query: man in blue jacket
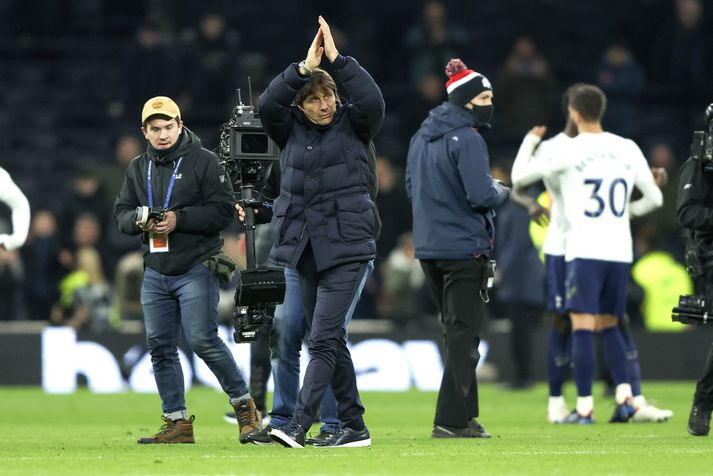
[453,196]
[324,221]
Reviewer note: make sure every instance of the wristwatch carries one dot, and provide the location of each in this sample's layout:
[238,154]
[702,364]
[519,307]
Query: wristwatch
[303,68]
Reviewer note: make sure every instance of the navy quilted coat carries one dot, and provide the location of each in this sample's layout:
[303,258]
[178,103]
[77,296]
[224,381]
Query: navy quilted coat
[324,196]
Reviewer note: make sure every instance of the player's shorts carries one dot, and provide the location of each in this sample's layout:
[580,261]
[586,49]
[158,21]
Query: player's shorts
[596,287]
[555,269]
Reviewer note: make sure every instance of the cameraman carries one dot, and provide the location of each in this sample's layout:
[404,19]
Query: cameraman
[187,190]
[694,207]
[453,196]
[324,220]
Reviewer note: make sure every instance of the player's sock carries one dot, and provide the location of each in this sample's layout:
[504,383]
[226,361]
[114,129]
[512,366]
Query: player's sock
[583,361]
[632,363]
[557,361]
[585,405]
[622,393]
[615,355]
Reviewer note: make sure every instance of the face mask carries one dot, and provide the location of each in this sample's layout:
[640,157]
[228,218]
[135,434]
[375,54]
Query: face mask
[482,115]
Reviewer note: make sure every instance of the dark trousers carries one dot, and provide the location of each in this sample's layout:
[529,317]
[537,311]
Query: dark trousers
[455,285]
[327,297]
[703,397]
[523,317]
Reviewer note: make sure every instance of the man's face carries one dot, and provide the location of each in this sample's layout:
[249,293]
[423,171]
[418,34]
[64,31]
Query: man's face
[485,98]
[320,107]
[162,133]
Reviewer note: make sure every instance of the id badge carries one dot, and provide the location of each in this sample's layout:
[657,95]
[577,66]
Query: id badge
[158,242]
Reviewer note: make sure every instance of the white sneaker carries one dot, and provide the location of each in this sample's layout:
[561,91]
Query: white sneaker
[557,410]
[649,413]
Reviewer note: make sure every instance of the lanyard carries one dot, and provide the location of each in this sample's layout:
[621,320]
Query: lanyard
[170,184]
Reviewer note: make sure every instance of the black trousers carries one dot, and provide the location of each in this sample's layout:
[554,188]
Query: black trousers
[455,285]
[523,317]
[327,296]
[703,397]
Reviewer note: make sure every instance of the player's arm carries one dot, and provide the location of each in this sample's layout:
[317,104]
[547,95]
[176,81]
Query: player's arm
[537,212]
[524,169]
[651,196]
[11,194]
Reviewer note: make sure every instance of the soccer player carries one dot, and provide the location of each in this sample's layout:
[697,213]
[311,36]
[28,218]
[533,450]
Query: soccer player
[595,173]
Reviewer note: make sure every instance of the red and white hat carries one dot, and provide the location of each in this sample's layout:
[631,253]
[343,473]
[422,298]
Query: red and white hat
[463,83]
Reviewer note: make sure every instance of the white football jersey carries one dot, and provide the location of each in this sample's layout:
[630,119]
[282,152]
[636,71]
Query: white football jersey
[13,197]
[529,168]
[596,175]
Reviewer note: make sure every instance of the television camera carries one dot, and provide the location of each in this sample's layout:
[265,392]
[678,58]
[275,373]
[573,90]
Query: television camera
[248,155]
[699,255]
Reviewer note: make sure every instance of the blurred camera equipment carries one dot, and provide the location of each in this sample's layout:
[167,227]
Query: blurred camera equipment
[144,214]
[248,154]
[699,253]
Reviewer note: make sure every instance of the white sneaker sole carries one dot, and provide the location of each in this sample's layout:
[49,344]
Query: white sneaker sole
[231,420]
[354,444]
[282,438]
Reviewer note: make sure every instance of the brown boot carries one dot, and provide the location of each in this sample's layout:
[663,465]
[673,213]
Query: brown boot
[249,418]
[179,431]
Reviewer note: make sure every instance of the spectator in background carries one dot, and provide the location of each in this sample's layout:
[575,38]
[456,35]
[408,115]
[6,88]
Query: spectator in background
[86,296]
[525,87]
[433,41]
[210,63]
[403,285]
[520,283]
[391,201]
[429,94]
[681,54]
[147,67]
[111,177]
[41,257]
[86,198]
[621,78]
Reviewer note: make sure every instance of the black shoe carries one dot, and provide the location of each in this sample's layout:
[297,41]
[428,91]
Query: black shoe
[323,436]
[477,427]
[260,437]
[346,438]
[473,430]
[292,436]
[623,412]
[699,421]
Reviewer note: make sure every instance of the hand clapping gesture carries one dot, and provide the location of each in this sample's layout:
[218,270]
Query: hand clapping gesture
[323,43]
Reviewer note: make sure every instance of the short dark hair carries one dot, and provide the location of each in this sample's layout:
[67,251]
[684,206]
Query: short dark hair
[567,96]
[589,101]
[319,80]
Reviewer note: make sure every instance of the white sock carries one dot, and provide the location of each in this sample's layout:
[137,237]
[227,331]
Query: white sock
[585,405]
[622,393]
[556,402]
[179,415]
[639,401]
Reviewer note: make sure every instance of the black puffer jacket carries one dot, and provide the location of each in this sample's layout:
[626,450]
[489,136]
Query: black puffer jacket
[324,190]
[202,199]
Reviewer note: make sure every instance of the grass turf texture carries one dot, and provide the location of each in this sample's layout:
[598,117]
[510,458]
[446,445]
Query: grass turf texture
[86,433]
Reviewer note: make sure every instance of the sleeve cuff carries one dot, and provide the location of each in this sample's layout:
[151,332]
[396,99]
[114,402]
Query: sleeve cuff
[339,62]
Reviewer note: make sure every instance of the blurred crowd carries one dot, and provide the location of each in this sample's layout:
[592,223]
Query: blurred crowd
[653,59]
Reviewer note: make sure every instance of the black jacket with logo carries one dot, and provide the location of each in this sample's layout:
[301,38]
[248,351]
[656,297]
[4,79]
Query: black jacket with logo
[202,199]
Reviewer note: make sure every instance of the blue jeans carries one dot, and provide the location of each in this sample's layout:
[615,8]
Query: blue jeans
[291,325]
[188,301]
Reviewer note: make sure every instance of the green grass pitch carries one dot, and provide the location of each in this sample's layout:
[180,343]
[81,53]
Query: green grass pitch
[92,434]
